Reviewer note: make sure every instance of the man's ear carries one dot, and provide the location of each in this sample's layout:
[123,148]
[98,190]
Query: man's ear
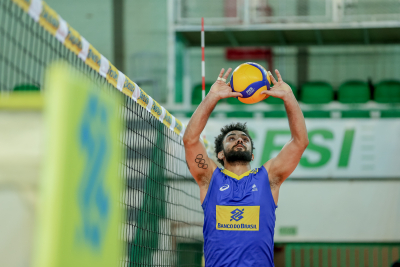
[252,157]
[221,155]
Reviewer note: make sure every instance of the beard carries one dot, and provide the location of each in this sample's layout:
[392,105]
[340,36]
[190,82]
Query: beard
[238,156]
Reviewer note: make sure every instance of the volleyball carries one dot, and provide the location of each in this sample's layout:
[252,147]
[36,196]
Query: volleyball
[250,79]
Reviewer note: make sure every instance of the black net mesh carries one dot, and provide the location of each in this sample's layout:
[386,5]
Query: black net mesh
[163,223]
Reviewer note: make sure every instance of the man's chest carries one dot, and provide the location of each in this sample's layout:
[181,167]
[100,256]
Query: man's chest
[247,192]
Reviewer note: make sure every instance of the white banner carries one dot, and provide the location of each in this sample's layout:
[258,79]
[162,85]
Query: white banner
[339,148]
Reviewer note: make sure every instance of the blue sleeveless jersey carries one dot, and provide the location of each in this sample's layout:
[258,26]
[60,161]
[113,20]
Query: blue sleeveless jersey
[239,219]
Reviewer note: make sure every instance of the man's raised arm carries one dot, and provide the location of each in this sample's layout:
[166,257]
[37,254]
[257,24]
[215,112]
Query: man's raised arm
[280,167]
[200,165]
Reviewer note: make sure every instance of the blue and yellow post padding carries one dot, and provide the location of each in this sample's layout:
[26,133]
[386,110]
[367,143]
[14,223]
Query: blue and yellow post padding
[79,214]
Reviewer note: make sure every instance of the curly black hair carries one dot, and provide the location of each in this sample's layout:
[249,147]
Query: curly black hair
[219,146]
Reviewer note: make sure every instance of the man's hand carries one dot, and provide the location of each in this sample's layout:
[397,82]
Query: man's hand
[222,90]
[280,89]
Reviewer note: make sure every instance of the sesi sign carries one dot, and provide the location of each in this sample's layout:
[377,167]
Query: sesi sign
[339,148]
[323,151]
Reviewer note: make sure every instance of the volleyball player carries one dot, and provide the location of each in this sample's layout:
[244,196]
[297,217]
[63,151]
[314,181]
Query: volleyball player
[239,202]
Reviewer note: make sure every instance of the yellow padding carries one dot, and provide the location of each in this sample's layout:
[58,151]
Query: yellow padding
[22,101]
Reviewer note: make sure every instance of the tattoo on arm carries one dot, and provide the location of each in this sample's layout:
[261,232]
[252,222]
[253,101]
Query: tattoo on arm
[201,163]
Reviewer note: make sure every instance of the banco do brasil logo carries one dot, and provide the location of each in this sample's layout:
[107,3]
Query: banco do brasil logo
[237,214]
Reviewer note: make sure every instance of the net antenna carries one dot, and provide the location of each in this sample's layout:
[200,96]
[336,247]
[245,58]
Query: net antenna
[203,67]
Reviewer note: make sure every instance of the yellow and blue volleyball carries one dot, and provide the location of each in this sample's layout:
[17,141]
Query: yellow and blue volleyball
[250,79]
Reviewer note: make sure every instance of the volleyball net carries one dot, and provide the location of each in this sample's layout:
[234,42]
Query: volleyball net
[163,222]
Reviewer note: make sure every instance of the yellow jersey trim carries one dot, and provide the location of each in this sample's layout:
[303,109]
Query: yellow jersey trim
[238,177]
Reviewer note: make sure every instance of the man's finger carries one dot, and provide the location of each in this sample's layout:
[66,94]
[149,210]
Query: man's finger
[221,73]
[227,73]
[236,94]
[279,75]
[272,77]
[269,92]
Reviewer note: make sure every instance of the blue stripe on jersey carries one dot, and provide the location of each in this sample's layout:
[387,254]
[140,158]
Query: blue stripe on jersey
[239,219]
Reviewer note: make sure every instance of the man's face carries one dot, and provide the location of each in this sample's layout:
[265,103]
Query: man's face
[237,147]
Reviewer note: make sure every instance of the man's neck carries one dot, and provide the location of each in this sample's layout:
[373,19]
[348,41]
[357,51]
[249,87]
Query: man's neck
[238,167]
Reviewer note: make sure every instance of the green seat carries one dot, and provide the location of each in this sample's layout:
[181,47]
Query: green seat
[390,114]
[275,101]
[315,114]
[240,114]
[189,114]
[356,114]
[316,93]
[387,92]
[353,92]
[197,94]
[213,114]
[275,114]
[26,87]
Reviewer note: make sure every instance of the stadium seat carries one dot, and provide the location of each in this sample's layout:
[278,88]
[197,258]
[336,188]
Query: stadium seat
[275,114]
[387,92]
[189,114]
[390,114]
[26,87]
[316,93]
[354,92]
[274,100]
[316,114]
[356,114]
[197,93]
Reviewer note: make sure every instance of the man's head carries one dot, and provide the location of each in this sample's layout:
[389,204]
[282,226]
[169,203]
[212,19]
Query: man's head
[234,144]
